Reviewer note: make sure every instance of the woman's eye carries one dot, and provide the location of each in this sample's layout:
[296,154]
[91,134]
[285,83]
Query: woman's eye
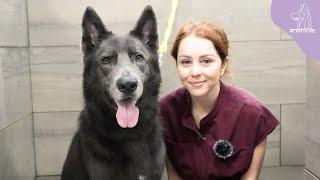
[139,58]
[207,61]
[106,60]
[185,61]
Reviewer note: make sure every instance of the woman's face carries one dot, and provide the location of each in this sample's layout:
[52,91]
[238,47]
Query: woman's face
[199,65]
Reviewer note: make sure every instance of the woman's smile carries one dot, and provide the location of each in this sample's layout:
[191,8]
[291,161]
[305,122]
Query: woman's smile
[197,84]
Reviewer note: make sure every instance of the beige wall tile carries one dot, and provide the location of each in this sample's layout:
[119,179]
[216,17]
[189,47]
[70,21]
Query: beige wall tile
[13,23]
[282,173]
[313,100]
[17,151]
[48,178]
[309,176]
[312,155]
[274,71]
[56,17]
[169,75]
[53,133]
[285,36]
[56,74]
[312,152]
[2,102]
[272,155]
[293,134]
[17,89]
[242,20]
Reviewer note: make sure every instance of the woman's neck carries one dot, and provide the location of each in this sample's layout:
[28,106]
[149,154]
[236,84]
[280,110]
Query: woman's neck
[202,105]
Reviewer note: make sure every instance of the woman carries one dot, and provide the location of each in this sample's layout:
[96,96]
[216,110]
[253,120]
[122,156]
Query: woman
[212,130]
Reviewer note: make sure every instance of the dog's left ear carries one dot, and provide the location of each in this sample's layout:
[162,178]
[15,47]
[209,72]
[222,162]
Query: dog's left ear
[146,28]
[93,29]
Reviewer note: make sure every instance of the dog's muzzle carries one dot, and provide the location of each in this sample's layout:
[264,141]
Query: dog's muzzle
[127,84]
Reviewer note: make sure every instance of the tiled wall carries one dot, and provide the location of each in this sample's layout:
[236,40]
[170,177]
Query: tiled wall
[17,152]
[312,149]
[264,61]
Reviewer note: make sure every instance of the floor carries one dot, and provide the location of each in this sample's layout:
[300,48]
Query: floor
[268,173]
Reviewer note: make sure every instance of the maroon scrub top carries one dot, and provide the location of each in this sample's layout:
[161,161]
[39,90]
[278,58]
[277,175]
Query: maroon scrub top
[237,117]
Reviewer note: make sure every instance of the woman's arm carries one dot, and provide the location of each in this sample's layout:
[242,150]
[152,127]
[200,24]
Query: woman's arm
[171,171]
[256,163]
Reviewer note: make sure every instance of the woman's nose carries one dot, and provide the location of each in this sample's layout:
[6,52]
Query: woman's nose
[196,69]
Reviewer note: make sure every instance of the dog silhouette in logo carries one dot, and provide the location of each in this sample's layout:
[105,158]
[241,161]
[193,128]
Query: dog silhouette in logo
[302,17]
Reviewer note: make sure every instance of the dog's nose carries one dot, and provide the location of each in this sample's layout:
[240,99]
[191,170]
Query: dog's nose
[127,84]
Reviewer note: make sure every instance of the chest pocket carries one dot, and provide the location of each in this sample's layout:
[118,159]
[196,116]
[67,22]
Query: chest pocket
[237,164]
[182,157]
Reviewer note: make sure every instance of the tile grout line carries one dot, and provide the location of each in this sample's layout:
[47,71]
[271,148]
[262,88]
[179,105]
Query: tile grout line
[314,175]
[15,122]
[15,47]
[31,90]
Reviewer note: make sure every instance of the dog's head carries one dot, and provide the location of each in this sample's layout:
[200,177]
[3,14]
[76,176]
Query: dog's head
[120,69]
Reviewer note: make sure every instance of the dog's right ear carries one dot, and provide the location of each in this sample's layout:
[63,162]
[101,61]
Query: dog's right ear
[93,29]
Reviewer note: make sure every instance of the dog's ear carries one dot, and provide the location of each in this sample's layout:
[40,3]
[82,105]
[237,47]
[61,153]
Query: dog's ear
[93,29]
[146,28]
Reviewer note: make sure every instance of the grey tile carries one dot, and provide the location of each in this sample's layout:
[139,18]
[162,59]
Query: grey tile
[309,176]
[274,71]
[293,134]
[313,100]
[312,152]
[53,133]
[313,85]
[282,173]
[56,74]
[285,36]
[169,75]
[272,155]
[17,89]
[312,155]
[57,22]
[48,178]
[17,160]
[242,20]
[164,174]
[2,104]
[13,23]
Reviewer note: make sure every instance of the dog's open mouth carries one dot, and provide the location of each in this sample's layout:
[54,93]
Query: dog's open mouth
[127,113]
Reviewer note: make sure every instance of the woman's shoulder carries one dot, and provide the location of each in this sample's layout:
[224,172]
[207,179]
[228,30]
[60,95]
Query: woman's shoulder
[175,97]
[244,98]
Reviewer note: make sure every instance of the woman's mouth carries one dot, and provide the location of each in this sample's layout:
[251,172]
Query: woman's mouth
[197,84]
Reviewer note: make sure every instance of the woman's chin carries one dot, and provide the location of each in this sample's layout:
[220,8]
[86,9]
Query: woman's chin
[198,92]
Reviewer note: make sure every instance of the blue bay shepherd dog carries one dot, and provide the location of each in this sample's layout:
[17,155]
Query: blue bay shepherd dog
[119,135]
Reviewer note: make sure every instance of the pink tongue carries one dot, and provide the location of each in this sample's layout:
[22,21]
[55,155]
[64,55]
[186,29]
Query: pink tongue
[127,114]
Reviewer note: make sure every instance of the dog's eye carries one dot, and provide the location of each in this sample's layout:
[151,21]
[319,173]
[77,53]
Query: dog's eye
[138,58]
[106,60]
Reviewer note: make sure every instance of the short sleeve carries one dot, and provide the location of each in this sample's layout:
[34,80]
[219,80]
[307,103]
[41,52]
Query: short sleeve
[267,123]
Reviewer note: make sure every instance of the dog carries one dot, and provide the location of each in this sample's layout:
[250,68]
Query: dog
[119,135]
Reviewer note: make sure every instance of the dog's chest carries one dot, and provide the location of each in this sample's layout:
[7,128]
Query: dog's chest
[130,161]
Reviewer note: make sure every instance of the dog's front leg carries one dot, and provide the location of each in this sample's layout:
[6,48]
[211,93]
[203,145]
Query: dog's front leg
[73,168]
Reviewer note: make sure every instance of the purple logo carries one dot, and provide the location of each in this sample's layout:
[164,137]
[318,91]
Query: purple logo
[300,19]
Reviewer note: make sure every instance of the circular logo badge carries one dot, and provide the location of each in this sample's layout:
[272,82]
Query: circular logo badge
[223,149]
